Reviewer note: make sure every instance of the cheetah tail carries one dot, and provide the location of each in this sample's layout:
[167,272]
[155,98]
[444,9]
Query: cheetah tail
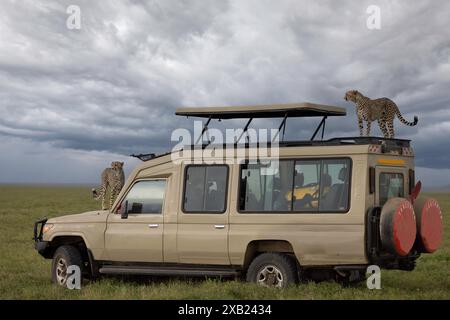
[400,117]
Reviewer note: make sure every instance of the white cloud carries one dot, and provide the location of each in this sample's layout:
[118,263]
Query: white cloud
[112,86]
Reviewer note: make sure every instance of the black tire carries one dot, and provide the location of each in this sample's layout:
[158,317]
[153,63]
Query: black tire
[273,270]
[65,255]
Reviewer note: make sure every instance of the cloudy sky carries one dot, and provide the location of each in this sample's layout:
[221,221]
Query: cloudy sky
[73,100]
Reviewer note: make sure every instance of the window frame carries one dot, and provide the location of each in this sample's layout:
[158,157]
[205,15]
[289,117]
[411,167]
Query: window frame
[124,199]
[227,180]
[318,212]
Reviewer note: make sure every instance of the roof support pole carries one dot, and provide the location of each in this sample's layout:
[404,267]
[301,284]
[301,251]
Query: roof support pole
[282,125]
[321,125]
[245,129]
[205,127]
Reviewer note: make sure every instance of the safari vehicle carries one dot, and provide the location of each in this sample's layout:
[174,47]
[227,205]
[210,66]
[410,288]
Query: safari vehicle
[328,209]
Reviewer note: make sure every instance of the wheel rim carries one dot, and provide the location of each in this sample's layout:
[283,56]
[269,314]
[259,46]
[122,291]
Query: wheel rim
[61,271]
[270,276]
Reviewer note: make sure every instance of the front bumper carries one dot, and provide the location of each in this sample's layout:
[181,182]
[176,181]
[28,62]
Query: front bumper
[40,245]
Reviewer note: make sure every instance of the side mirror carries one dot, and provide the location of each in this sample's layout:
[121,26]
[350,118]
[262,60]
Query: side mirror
[124,211]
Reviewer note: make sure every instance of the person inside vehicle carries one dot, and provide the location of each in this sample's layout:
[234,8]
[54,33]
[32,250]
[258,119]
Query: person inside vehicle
[306,197]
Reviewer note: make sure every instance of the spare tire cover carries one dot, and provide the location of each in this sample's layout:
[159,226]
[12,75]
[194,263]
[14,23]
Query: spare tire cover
[429,224]
[398,226]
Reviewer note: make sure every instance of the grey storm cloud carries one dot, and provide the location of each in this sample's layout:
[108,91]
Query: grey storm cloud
[112,87]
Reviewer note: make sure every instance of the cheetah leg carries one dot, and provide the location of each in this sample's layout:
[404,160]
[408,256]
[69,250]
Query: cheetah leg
[361,126]
[390,126]
[104,204]
[368,128]
[112,197]
[383,128]
[102,194]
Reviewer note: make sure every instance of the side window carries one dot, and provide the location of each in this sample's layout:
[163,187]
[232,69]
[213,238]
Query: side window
[334,185]
[251,193]
[391,186]
[266,187]
[308,186]
[205,188]
[146,197]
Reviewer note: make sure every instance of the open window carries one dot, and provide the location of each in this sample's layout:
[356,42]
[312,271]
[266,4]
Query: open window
[334,185]
[310,186]
[264,186]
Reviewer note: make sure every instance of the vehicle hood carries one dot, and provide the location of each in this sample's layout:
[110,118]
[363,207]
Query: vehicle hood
[89,217]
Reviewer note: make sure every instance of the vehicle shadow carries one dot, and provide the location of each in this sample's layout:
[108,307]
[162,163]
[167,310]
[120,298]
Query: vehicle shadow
[147,280]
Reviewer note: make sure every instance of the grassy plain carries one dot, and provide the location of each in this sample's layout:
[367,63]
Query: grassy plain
[26,275]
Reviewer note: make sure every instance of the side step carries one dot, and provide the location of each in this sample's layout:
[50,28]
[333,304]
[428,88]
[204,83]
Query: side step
[167,271]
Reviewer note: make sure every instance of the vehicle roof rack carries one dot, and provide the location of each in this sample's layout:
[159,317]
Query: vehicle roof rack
[301,109]
[387,143]
[352,141]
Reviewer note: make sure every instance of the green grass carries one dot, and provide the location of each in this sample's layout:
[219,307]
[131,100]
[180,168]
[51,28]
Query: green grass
[24,274]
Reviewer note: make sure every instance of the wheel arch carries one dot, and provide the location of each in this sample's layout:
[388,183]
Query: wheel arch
[58,240]
[77,241]
[256,247]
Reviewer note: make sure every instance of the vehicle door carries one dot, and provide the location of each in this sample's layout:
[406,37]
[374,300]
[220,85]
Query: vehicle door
[139,237]
[202,231]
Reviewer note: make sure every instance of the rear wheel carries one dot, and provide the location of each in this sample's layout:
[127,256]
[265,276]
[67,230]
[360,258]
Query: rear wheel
[64,257]
[273,270]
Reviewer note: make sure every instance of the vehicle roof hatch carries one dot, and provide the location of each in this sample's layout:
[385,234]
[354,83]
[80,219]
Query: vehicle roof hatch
[250,112]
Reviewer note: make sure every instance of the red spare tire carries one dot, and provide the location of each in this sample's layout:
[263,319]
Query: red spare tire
[429,224]
[398,226]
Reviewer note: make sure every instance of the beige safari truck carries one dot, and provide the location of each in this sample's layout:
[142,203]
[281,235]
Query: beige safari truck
[318,209]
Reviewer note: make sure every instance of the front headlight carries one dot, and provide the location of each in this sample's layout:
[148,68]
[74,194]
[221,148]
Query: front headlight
[47,227]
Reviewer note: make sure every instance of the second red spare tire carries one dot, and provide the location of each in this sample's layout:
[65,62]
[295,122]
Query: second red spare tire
[429,224]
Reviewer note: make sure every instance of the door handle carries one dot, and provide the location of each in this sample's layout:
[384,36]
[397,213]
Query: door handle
[153,225]
[219,226]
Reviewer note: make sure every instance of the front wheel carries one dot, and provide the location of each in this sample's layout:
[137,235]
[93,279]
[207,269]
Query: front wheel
[273,270]
[64,257]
